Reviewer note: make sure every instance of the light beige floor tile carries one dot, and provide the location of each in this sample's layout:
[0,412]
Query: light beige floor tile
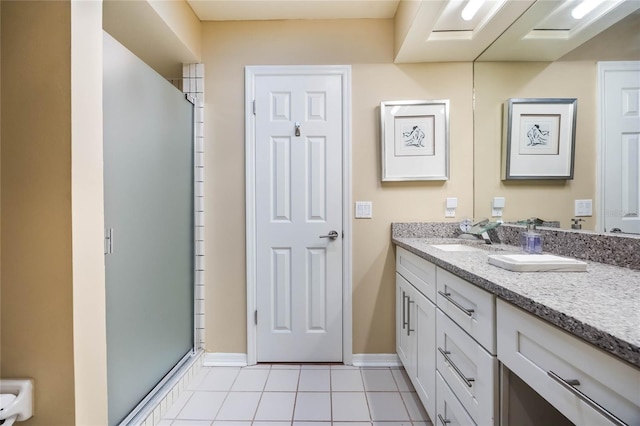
[402,380]
[313,406]
[314,380]
[350,407]
[346,381]
[379,380]
[250,380]
[276,406]
[414,407]
[387,406]
[202,406]
[239,406]
[282,381]
[218,379]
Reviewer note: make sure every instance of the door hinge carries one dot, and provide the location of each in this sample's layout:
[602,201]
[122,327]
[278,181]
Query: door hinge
[255,317]
[254,107]
[108,241]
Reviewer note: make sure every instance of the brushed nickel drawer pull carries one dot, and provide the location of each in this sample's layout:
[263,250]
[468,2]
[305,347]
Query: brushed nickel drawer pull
[404,311]
[445,354]
[447,296]
[569,385]
[443,421]
[409,329]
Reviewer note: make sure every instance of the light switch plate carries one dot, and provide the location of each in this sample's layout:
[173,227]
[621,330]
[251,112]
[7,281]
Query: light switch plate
[497,206]
[583,208]
[364,209]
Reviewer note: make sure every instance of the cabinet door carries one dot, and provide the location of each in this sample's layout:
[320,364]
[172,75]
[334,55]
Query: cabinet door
[425,334]
[585,384]
[469,370]
[419,272]
[469,306]
[405,340]
[449,410]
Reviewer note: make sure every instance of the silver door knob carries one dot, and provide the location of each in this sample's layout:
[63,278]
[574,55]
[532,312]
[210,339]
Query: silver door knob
[332,235]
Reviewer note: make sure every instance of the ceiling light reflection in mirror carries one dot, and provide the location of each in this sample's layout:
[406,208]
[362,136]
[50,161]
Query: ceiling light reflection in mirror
[462,18]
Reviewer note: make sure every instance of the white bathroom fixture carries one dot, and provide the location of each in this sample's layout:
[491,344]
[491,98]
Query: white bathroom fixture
[16,400]
[537,263]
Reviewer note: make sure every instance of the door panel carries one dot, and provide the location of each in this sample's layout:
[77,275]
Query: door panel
[622,150]
[298,200]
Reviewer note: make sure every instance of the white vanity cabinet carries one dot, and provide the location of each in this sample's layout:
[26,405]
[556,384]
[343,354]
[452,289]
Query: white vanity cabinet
[439,345]
[454,338]
[416,324]
[585,384]
[465,357]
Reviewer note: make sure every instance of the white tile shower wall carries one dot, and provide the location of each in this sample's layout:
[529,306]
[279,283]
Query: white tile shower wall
[193,85]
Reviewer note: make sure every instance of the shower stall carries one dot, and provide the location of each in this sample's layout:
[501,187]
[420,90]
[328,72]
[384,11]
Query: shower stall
[149,228]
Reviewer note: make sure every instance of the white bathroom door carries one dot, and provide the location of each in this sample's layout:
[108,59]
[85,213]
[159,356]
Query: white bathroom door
[299,232]
[621,130]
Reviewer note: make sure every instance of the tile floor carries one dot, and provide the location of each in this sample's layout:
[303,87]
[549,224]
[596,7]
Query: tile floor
[304,395]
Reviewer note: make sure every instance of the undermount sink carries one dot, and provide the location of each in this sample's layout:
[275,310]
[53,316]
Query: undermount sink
[536,263]
[454,247]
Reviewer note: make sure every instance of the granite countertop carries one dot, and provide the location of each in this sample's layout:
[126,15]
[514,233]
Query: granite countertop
[600,306]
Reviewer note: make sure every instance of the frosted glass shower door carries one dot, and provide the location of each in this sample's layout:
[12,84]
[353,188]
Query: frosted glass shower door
[148,175]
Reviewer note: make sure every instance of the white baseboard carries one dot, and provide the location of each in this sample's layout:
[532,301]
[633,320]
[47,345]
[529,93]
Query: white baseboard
[224,359]
[376,360]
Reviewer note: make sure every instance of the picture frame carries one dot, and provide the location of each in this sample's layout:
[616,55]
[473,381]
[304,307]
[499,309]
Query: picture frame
[414,139]
[538,138]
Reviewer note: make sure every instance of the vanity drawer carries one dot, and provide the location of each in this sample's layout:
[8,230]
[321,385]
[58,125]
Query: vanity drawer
[449,411]
[585,384]
[472,308]
[469,370]
[419,272]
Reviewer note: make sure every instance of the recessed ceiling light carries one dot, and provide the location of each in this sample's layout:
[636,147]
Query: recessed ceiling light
[471,9]
[585,7]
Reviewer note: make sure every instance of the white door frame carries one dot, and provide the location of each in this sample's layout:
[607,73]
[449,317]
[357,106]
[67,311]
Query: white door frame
[603,69]
[251,72]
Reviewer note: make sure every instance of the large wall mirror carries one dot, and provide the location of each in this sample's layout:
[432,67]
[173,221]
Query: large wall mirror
[574,75]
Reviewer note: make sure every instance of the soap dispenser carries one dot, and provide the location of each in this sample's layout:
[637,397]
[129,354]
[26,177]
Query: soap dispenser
[531,241]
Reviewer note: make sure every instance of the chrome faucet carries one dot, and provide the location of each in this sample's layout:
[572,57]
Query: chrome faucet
[482,228]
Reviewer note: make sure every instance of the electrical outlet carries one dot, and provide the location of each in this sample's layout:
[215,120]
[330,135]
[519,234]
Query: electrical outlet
[450,207]
[497,206]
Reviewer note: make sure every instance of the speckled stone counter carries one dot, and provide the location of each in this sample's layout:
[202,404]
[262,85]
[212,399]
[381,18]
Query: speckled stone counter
[600,306]
[612,249]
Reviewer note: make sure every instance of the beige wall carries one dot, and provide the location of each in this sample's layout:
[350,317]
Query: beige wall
[164,34]
[36,287]
[89,299]
[367,45]
[495,82]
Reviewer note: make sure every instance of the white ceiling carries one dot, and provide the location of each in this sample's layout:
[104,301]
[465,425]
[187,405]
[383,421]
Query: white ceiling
[434,32]
[252,10]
